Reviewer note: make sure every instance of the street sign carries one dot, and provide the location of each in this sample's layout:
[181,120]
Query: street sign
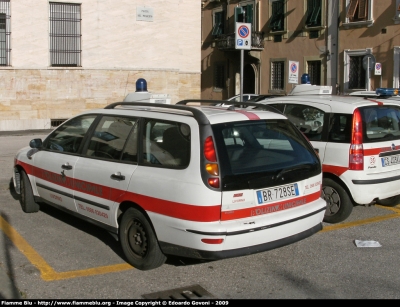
[293,72]
[243,36]
[369,62]
[378,69]
[144,13]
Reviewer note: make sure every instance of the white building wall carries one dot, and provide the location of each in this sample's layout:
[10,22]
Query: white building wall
[117,49]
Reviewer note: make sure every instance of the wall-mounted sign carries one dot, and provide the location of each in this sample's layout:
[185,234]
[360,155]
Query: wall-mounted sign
[378,69]
[144,13]
[293,72]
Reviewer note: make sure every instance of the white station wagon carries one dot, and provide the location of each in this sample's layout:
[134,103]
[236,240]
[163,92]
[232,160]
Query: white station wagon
[199,181]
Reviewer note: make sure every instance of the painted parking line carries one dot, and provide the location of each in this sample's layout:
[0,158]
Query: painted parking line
[47,273]
[366,221]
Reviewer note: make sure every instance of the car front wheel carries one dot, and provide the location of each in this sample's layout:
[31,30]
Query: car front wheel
[27,199]
[338,202]
[139,242]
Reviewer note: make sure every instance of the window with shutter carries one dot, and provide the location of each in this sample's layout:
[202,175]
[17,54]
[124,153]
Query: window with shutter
[358,10]
[313,13]
[218,28]
[277,16]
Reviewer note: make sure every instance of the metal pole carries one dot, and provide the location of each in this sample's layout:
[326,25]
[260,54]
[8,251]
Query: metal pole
[368,76]
[241,73]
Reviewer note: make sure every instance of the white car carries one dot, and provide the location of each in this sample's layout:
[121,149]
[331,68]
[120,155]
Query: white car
[358,140]
[196,181]
[245,97]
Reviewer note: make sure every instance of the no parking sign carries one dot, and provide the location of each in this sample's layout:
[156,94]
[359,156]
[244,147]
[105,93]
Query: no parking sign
[293,72]
[378,69]
[243,36]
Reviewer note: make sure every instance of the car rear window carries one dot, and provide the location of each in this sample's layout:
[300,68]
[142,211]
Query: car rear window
[381,123]
[268,147]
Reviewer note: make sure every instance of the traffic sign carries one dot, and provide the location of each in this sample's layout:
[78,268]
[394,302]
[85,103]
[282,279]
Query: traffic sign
[378,69]
[243,36]
[369,62]
[293,72]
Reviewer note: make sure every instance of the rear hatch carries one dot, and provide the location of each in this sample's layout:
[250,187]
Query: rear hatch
[381,138]
[267,168]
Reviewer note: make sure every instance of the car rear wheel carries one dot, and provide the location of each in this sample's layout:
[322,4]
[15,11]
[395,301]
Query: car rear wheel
[338,202]
[27,199]
[390,202]
[139,242]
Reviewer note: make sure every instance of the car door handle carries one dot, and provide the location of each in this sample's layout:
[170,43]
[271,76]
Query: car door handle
[66,166]
[117,176]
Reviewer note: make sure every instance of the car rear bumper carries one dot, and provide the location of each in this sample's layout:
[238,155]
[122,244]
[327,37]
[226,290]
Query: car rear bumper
[366,191]
[171,249]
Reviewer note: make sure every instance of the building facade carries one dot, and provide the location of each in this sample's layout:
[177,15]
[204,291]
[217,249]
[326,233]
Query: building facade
[329,40]
[58,58]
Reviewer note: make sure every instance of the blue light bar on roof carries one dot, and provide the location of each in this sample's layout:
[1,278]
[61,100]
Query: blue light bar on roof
[387,91]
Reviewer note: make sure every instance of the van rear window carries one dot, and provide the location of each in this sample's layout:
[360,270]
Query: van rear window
[381,123]
[265,146]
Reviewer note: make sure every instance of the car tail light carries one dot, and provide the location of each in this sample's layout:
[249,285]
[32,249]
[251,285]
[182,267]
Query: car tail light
[213,182]
[209,150]
[356,154]
[212,241]
[211,168]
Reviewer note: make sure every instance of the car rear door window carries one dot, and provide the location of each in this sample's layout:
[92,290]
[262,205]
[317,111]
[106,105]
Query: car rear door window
[166,144]
[110,136]
[340,126]
[308,119]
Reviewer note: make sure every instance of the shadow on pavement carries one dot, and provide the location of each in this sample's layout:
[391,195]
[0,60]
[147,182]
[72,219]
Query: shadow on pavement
[8,289]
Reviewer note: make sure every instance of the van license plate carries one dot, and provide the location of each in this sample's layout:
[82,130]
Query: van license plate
[390,160]
[277,193]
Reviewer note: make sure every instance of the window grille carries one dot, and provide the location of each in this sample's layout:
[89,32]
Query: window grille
[65,34]
[5,32]
[356,73]
[219,76]
[277,75]
[314,71]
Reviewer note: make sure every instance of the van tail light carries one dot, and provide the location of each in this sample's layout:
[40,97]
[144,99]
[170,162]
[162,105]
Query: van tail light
[356,154]
[212,169]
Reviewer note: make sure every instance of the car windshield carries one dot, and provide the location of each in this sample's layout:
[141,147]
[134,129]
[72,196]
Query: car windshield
[248,150]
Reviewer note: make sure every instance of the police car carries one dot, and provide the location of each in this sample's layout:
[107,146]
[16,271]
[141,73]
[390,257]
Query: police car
[190,180]
[358,140]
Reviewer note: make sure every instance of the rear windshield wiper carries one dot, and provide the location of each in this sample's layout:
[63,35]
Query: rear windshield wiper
[292,169]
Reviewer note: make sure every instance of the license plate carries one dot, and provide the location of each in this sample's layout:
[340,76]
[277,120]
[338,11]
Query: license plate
[390,160]
[277,193]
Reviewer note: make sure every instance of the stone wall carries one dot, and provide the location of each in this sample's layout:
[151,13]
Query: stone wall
[30,99]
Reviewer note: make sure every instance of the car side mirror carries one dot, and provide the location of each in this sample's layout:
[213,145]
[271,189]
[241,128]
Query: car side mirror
[36,143]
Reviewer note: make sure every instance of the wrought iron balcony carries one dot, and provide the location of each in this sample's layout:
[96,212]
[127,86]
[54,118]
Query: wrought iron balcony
[226,42]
